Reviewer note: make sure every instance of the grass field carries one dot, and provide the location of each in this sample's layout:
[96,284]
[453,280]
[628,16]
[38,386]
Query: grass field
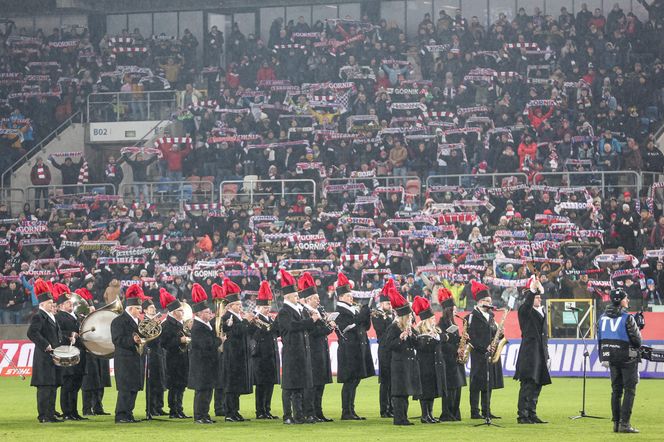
[557,403]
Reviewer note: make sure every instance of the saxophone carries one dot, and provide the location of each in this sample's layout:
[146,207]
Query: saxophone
[499,340]
[465,347]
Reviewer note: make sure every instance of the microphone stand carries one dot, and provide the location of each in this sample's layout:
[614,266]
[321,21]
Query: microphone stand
[586,356]
[148,395]
[487,417]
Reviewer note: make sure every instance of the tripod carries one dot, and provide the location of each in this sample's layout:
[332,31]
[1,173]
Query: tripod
[487,416]
[586,356]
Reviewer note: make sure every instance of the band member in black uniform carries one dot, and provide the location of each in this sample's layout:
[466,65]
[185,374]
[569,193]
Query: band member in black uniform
[236,359]
[72,377]
[404,370]
[129,365]
[203,356]
[174,341]
[157,373]
[354,352]
[455,373]
[430,359]
[532,362]
[619,341]
[265,353]
[218,293]
[45,333]
[296,351]
[97,373]
[320,350]
[481,330]
[381,318]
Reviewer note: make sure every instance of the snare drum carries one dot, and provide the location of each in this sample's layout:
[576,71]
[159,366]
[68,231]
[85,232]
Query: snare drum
[66,356]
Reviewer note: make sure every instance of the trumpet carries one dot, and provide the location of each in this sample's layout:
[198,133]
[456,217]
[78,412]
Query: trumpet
[260,323]
[378,313]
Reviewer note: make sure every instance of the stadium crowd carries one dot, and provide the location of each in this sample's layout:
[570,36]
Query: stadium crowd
[346,103]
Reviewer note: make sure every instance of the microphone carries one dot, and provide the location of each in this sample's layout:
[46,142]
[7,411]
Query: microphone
[574,309]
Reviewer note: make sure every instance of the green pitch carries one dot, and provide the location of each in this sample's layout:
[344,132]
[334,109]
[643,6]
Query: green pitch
[558,401]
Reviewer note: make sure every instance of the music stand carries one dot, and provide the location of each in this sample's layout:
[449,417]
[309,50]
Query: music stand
[586,356]
[487,417]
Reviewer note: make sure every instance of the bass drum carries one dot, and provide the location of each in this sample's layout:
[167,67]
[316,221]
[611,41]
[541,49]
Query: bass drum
[96,333]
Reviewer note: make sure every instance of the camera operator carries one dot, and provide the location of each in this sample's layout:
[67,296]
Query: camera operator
[619,342]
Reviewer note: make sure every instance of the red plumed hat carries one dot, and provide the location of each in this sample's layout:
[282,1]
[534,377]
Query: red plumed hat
[399,303]
[306,286]
[134,295]
[199,297]
[218,291]
[60,292]
[264,294]
[231,290]
[445,298]
[422,307]
[168,301]
[385,293]
[479,290]
[42,291]
[343,284]
[84,293]
[288,284]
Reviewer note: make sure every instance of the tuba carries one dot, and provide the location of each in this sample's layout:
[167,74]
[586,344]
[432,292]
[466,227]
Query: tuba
[499,340]
[80,305]
[149,329]
[95,331]
[465,347]
[187,319]
[219,327]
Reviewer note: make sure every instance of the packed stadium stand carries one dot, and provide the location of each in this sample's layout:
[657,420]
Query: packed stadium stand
[402,138]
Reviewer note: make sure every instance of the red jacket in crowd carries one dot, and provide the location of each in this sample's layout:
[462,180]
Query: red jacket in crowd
[174,158]
[40,175]
[527,150]
[536,121]
[265,74]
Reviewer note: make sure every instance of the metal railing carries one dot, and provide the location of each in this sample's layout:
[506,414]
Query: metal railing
[129,106]
[7,198]
[169,194]
[68,193]
[47,139]
[412,184]
[251,190]
[606,181]
[475,180]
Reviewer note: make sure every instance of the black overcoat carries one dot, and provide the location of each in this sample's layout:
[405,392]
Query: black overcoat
[432,367]
[354,352]
[204,358]
[481,334]
[380,325]
[68,325]
[176,355]
[128,364]
[265,353]
[296,349]
[236,369]
[531,363]
[405,370]
[455,373]
[43,331]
